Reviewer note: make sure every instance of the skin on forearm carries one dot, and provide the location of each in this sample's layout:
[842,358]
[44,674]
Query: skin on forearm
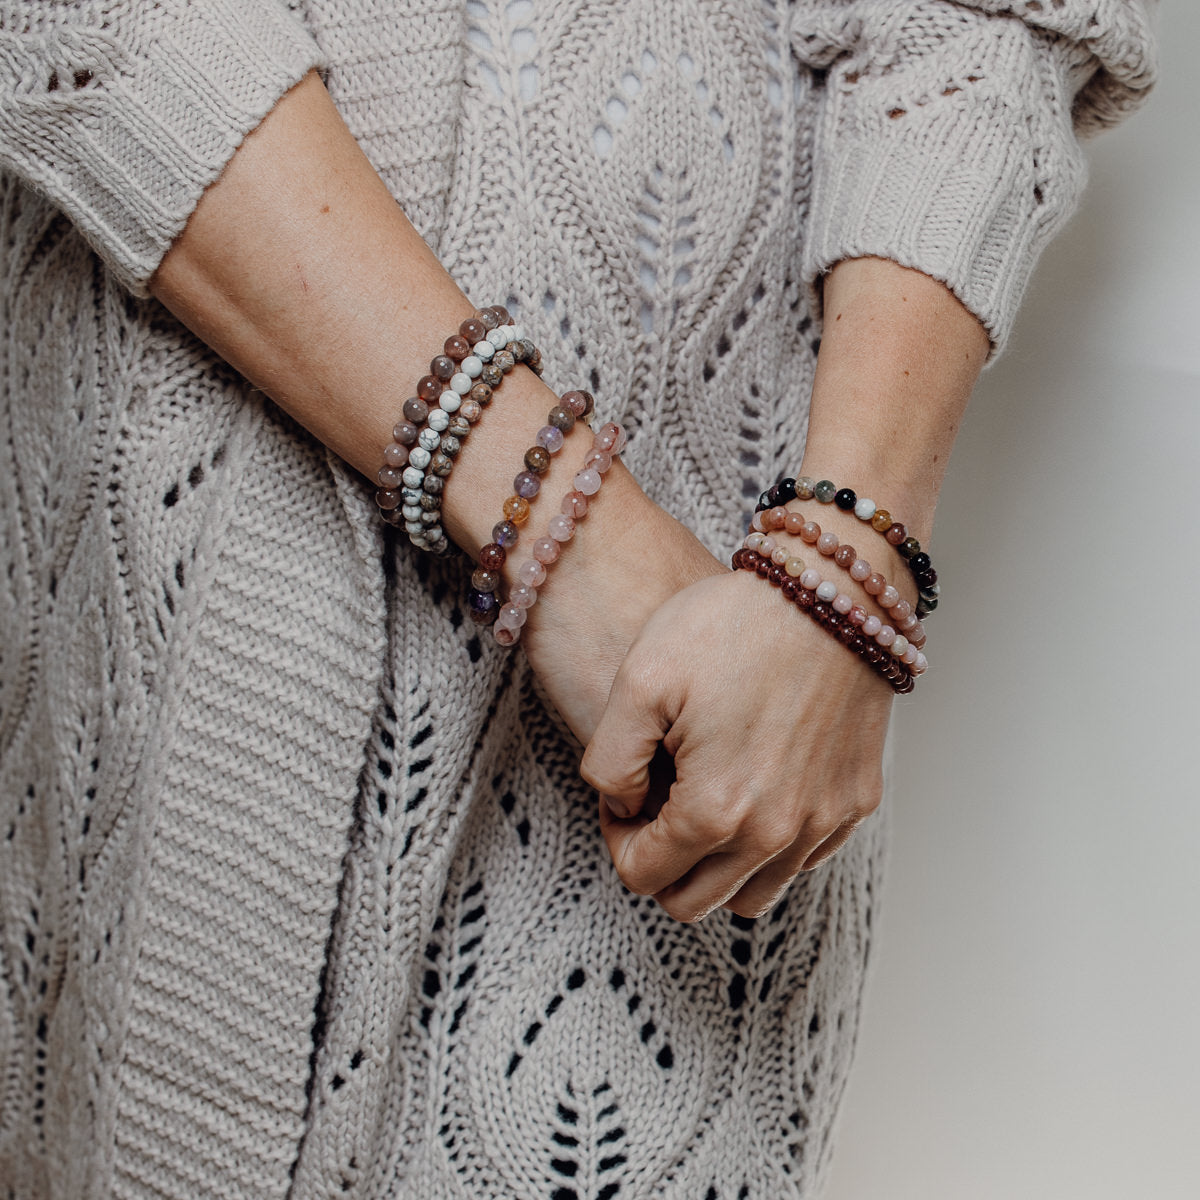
[899,357]
[300,269]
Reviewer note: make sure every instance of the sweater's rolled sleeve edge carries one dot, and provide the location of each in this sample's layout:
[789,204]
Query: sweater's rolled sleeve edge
[128,158]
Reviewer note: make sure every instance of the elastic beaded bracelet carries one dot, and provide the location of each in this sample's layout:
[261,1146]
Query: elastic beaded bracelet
[845,556]
[881,661]
[436,421]
[899,645]
[609,441]
[909,549]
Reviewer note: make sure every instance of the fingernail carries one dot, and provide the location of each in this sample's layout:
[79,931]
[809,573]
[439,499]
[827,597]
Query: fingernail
[617,807]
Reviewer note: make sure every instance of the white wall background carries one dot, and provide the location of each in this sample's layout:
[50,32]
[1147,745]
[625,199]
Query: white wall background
[1033,1027]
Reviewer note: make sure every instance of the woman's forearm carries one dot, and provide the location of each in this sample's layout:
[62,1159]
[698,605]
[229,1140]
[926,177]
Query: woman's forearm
[299,268]
[899,357]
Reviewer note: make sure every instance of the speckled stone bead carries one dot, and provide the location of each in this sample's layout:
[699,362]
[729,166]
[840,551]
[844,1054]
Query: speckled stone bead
[492,557]
[825,490]
[492,375]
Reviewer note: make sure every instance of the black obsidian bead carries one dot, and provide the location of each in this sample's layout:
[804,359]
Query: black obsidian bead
[919,562]
[926,579]
[785,490]
[845,499]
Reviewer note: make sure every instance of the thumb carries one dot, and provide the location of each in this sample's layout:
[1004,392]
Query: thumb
[617,759]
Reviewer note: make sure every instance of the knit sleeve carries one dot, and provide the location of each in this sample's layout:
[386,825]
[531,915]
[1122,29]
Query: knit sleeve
[948,134]
[122,113]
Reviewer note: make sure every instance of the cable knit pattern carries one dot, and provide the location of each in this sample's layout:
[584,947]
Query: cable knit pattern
[301,894]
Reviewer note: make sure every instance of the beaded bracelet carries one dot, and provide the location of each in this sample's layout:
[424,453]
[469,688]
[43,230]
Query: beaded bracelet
[909,549]
[846,557]
[881,661]
[510,616]
[905,648]
[436,421]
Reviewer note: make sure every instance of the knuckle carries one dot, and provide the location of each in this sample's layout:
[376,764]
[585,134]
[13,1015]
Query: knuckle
[685,911]
[636,878]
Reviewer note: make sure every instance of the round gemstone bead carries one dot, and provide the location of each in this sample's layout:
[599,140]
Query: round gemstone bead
[405,432]
[598,460]
[492,557]
[551,438]
[607,437]
[523,596]
[456,348]
[416,410]
[857,614]
[429,388]
[881,522]
[899,645]
[505,533]
[473,329]
[825,490]
[779,556]
[429,439]
[864,509]
[450,401]
[481,394]
[470,411]
[842,603]
[537,459]
[439,420]
[827,543]
[806,487]
[909,548]
[441,464]
[889,597]
[754,541]
[886,636]
[412,477]
[776,517]
[492,375]
[859,570]
[531,573]
[874,584]
[433,485]
[845,555]
[461,383]
[472,365]
[785,491]
[794,566]
[442,367]
[793,523]
[482,606]
[458,426]
[588,481]
[390,477]
[511,617]
[919,562]
[527,485]
[766,546]
[387,499]
[516,510]
[451,446]
[395,455]
[561,527]
[561,418]
[810,531]
[826,590]
[757,523]
[845,499]
[896,533]
[872,625]
[576,401]
[809,579]
[575,504]
[484,350]
[505,636]
[419,457]
[926,578]
[483,580]
[545,550]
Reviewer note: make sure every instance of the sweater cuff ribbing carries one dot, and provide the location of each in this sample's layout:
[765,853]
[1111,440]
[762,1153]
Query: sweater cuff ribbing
[947,168]
[123,125]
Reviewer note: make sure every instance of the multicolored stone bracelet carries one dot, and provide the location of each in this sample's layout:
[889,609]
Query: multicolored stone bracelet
[842,626]
[909,549]
[436,421]
[511,615]
[780,519]
[483,601]
[896,643]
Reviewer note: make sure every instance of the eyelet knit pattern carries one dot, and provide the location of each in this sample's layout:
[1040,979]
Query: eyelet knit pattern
[300,893]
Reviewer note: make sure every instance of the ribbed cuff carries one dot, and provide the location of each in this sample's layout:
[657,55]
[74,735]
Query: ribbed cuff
[124,127]
[963,172]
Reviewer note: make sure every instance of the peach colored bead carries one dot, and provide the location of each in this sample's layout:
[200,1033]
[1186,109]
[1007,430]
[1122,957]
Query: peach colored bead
[842,603]
[872,625]
[809,579]
[794,567]
[810,531]
[857,615]
[859,569]
[793,523]
[844,556]
[575,504]
[758,523]
[779,556]
[545,550]
[767,545]
[532,573]
[776,517]
[874,583]
[889,597]
[827,543]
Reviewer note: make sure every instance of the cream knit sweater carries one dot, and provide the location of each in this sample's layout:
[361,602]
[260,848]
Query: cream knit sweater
[300,893]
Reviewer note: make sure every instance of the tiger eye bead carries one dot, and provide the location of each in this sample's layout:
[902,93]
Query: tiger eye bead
[909,548]
[537,459]
[881,522]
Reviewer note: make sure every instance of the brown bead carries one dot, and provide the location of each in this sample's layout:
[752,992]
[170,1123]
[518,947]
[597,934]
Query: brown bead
[896,533]
[483,580]
[443,366]
[429,388]
[844,555]
[416,410]
[537,459]
[881,522]
[491,375]
[456,348]
[481,394]
[504,360]
[473,329]
[450,446]
[439,464]
[458,426]
[405,432]
[492,557]
[762,565]
[488,317]
[562,418]
[387,498]
[502,317]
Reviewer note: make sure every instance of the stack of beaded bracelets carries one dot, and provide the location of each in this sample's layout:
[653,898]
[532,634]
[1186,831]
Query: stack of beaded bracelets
[879,519]
[449,401]
[842,625]
[484,602]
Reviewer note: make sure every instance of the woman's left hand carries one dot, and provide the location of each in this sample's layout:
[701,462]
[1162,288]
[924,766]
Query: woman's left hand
[776,732]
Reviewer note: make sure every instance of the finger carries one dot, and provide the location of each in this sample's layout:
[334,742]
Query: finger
[617,759]
[712,882]
[653,855]
[832,844]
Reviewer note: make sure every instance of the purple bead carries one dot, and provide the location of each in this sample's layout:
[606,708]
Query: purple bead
[482,606]
[551,438]
[505,534]
[527,485]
